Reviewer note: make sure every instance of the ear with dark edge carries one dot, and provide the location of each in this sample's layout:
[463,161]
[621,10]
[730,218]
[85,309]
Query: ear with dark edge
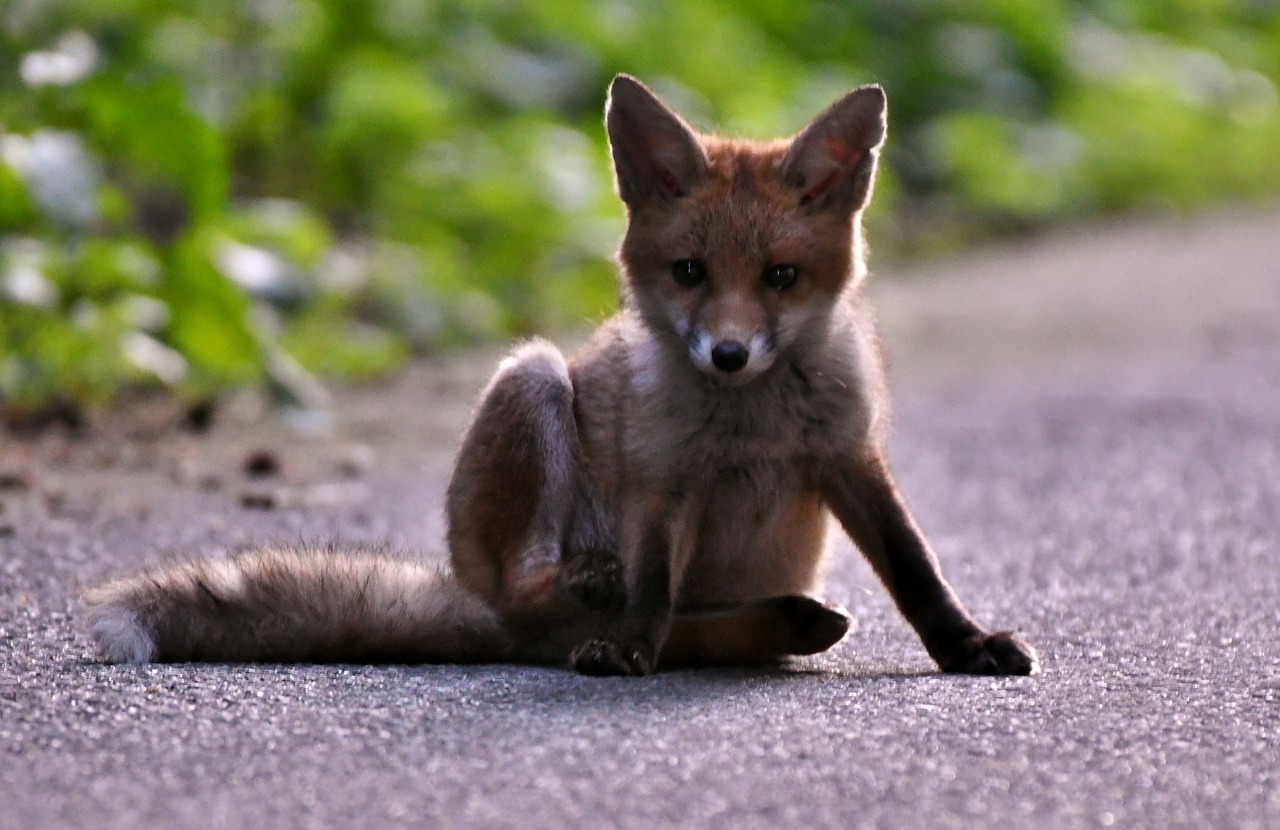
[833,160]
[655,153]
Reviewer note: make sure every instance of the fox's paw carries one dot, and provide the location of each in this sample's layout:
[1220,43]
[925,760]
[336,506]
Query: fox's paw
[596,580]
[999,653]
[607,657]
[809,626]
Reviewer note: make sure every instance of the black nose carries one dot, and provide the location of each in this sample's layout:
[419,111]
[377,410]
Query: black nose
[729,356]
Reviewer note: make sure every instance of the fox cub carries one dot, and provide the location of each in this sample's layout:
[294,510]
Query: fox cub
[660,499]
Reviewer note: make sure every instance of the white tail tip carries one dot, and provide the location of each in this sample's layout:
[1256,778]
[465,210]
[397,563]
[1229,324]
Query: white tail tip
[120,637]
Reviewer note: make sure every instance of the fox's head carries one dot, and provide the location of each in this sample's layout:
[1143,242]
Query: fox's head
[740,249]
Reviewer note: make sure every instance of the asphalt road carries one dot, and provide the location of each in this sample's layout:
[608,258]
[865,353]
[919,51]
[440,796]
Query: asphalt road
[1088,429]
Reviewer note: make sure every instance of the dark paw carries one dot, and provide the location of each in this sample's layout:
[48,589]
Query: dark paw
[810,626]
[596,580]
[999,653]
[606,657]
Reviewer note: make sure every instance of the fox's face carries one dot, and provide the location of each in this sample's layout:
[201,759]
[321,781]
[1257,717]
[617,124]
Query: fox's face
[740,250]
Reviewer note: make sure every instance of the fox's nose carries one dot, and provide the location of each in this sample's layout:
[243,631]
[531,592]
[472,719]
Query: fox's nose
[729,356]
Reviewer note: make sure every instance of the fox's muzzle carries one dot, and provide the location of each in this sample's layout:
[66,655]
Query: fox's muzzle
[731,360]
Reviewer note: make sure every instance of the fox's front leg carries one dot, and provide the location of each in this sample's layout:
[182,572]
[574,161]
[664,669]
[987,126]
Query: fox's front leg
[861,493]
[632,644]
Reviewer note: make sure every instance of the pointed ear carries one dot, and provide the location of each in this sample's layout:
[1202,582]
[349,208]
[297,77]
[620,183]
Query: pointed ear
[833,160]
[655,153]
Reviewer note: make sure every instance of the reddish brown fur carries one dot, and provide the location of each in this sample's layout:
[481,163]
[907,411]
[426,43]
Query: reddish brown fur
[740,217]
[666,494]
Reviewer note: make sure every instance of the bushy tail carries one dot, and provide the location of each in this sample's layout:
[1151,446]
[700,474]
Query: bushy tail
[282,605]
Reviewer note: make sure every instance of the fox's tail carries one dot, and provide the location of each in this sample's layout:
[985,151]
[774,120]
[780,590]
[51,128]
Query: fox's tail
[282,605]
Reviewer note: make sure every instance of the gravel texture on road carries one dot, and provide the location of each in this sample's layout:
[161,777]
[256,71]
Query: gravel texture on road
[1088,428]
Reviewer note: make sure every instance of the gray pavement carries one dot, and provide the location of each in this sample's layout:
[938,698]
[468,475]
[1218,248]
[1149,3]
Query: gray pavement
[1088,429]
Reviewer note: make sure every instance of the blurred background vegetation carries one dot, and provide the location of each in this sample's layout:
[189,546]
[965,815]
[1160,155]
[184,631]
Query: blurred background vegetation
[204,194]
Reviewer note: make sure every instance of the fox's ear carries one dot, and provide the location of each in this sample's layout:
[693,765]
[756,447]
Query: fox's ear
[833,160]
[655,153]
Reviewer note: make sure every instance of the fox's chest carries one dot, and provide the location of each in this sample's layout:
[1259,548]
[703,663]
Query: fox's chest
[681,431]
[750,536]
[677,445]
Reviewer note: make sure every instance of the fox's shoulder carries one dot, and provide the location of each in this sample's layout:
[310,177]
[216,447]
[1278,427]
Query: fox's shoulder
[602,365]
[843,375]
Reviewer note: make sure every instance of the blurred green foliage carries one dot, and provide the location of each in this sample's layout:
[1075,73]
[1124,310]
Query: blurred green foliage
[193,193]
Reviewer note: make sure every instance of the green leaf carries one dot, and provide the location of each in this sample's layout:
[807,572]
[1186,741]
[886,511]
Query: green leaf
[210,325]
[148,134]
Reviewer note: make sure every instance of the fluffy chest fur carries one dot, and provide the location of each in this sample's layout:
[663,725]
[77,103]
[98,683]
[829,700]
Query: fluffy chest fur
[684,426]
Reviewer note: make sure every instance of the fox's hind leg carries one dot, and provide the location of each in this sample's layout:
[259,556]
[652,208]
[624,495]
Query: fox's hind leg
[762,631]
[527,529]
[765,630]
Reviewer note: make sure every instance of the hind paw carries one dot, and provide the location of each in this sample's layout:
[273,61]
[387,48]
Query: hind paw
[810,626]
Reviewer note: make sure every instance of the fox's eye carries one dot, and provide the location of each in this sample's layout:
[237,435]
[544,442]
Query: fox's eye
[781,277]
[688,273]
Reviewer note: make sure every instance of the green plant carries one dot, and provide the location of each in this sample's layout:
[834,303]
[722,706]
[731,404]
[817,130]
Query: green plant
[189,191]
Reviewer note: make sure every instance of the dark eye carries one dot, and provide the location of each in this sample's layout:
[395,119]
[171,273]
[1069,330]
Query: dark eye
[688,273]
[781,277]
